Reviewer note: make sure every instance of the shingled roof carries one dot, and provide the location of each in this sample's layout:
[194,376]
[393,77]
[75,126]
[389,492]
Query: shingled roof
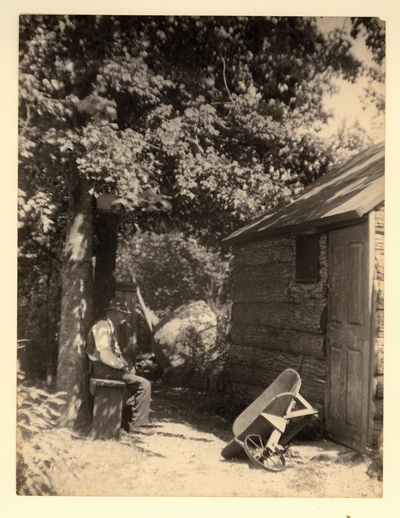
[346,193]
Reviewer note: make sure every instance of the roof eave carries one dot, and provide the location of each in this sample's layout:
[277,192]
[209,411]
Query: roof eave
[350,216]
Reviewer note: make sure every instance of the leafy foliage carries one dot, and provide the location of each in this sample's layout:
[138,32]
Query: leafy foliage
[172,270]
[374,30]
[217,114]
[39,294]
[211,362]
[38,453]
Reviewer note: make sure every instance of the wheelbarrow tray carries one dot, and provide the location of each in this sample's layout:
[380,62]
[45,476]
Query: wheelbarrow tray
[287,381]
[263,424]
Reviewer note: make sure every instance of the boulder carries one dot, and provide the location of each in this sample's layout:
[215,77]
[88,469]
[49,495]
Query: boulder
[189,331]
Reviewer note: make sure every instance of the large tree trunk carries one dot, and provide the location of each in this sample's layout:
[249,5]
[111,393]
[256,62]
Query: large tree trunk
[76,306]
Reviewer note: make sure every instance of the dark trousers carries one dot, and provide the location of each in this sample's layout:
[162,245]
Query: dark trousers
[138,391]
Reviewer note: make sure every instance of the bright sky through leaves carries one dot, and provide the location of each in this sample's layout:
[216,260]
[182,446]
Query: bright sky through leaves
[346,104]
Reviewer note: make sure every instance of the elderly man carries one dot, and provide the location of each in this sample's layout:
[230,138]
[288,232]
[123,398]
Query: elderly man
[108,363]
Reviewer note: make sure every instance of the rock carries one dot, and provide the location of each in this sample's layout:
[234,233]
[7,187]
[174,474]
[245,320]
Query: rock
[188,331]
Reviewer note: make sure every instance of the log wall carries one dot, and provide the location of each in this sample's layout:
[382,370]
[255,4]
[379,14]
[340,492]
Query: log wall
[277,324]
[276,321]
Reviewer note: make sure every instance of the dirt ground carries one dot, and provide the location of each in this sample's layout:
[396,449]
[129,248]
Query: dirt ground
[181,456]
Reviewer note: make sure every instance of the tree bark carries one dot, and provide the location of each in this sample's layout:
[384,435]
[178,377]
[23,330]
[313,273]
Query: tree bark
[76,306]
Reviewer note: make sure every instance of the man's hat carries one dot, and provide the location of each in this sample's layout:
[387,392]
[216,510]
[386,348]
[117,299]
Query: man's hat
[117,304]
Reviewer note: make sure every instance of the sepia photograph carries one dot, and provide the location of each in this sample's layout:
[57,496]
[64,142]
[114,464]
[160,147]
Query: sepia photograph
[200,255]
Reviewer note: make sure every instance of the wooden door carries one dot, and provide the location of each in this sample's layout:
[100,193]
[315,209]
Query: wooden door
[348,331]
[127,334]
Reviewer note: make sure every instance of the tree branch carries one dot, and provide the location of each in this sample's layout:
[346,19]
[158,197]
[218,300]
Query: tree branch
[225,83]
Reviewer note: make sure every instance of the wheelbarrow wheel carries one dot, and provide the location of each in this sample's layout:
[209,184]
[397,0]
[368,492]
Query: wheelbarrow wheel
[257,451]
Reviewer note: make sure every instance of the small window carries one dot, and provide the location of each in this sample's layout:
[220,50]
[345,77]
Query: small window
[307,258]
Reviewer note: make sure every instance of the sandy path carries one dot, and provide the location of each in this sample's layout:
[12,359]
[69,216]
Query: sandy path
[182,457]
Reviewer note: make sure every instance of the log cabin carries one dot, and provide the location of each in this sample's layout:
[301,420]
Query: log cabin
[308,283]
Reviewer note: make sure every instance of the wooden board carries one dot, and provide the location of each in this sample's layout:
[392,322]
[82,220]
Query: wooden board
[107,410]
[348,344]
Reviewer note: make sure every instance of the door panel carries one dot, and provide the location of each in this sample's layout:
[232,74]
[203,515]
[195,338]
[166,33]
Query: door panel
[354,388]
[337,369]
[336,282]
[347,334]
[355,283]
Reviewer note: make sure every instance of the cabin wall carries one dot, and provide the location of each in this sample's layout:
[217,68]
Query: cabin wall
[378,304]
[277,322]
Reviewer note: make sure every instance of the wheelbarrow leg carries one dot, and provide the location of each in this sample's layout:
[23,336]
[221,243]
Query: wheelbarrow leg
[273,440]
[288,436]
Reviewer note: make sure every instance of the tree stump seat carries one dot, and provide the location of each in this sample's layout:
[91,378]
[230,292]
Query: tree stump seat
[107,410]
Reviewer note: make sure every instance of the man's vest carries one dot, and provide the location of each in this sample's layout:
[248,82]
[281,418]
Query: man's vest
[90,346]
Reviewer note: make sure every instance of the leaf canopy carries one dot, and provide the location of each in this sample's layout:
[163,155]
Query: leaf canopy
[216,114]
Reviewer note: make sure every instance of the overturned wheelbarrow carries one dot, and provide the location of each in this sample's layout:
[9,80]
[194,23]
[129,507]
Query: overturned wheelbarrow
[261,429]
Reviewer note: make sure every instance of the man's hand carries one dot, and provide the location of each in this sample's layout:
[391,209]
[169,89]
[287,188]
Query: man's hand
[129,370]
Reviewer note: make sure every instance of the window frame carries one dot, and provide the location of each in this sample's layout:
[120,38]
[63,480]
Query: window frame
[307,258]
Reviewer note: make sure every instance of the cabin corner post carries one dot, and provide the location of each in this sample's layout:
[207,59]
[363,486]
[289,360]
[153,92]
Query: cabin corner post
[370,371]
[376,279]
